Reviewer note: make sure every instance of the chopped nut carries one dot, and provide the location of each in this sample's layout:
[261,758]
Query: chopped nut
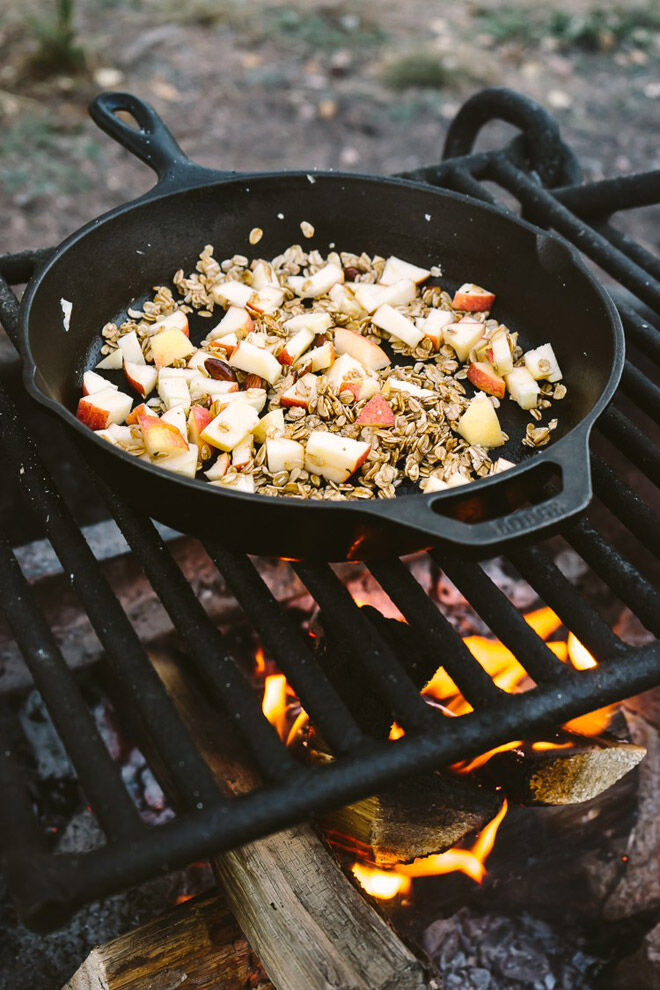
[255,235]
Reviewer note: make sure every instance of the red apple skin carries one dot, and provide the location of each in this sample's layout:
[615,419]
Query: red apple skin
[224,350]
[141,410]
[198,419]
[362,459]
[486,379]
[477,302]
[354,386]
[287,400]
[150,423]
[91,415]
[377,412]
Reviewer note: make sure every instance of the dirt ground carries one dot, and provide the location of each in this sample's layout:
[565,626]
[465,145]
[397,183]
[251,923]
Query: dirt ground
[364,87]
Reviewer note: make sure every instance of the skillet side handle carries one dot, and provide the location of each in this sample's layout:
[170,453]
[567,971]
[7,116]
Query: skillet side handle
[151,141]
[490,535]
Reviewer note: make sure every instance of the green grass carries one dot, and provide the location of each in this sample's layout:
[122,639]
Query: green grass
[324,29]
[58,50]
[599,29]
[38,159]
[421,70]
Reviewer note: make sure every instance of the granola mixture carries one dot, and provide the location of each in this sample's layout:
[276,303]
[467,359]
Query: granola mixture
[336,377]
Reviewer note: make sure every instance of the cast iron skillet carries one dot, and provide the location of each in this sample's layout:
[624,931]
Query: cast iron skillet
[543,290]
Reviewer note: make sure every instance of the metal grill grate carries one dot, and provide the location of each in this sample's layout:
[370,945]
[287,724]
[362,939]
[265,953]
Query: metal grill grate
[543,176]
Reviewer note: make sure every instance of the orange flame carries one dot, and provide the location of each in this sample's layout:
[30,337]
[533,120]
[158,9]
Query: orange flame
[260,663]
[385,884]
[274,703]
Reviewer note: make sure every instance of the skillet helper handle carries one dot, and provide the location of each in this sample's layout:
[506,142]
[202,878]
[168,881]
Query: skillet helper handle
[574,495]
[151,141]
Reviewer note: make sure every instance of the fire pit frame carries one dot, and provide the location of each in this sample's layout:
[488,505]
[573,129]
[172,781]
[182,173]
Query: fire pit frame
[543,175]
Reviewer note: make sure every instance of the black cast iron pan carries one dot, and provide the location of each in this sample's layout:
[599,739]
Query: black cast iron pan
[543,291]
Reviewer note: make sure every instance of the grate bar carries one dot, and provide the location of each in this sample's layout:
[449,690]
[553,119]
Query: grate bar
[18,822]
[354,630]
[295,659]
[598,200]
[122,646]
[617,572]
[632,442]
[642,333]
[631,248]
[626,505]
[503,618]
[643,392]
[437,633]
[563,598]
[98,774]
[539,200]
[205,644]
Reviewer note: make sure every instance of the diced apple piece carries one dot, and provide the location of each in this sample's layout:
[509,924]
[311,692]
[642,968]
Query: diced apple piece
[296,346]
[484,377]
[369,355]
[161,439]
[397,325]
[284,455]
[377,412]
[220,468]
[344,300]
[318,284]
[142,377]
[479,424]
[231,426]
[94,383]
[395,270]
[202,388]
[242,453]
[196,361]
[456,479]
[174,321]
[433,325]
[372,297]
[112,361]
[141,410]
[501,464]
[240,483]
[225,346]
[129,345]
[169,346]
[270,425]
[254,397]
[174,392]
[433,484]
[301,392]
[334,457]
[185,374]
[463,336]
[362,388]
[256,361]
[263,275]
[342,368]
[395,385]
[176,416]
[542,363]
[102,408]
[184,463]
[115,433]
[523,389]
[232,293]
[236,320]
[319,358]
[502,358]
[267,300]
[472,298]
[316,322]
[198,419]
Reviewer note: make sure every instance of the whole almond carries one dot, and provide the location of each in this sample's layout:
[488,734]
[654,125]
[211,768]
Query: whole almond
[220,370]
[254,381]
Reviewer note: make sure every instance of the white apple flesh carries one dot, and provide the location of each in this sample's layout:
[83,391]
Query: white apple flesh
[542,364]
[129,345]
[270,425]
[169,346]
[479,424]
[395,270]
[319,358]
[301,392]
[284,455]
[102,408]
[296,346]
[232,293]
[236,320]
[397,325]
[369,355]
[174,392]
[142,377]
[334,457]
[522,388]
[112,361]
[433,326]
[318,284]
[95,383]
[463,336]
[256,361]
[316,322]
[231,426]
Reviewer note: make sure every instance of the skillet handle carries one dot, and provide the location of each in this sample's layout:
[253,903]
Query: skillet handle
[571,456]
[151,141]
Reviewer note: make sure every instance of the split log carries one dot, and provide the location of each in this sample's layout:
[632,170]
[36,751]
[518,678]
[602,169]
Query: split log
[578,770]
[308,924]
[197,944]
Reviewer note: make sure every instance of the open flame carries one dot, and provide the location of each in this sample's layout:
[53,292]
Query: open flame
[508,674]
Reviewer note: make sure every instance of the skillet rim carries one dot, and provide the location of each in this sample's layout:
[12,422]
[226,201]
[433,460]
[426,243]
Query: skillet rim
[201,178]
